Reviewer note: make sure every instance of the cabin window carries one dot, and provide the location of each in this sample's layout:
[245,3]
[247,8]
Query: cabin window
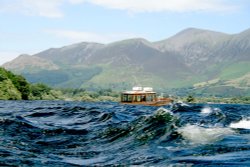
[125,98]
[143,98]
[149,98]
[138,98]
[134,98]
[154,97]
[129,98]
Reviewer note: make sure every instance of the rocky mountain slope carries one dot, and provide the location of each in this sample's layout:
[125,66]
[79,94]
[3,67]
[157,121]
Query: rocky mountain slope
[190,57]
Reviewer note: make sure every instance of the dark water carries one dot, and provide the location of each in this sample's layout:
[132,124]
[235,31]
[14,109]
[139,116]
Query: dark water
[58,133]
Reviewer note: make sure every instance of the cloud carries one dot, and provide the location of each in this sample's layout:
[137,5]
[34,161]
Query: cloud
[162,5]
[53,8]
[44,8]
[76,1]
[81,36]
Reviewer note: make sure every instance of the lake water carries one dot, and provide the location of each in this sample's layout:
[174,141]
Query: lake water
[59,133]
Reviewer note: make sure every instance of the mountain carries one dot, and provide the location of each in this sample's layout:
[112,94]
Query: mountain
[70,55]
[194,45]
[189,58]
[30,63]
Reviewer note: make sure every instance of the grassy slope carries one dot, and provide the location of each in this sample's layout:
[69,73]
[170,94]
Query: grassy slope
[235,71]
[234,80]
[125,77]
[231,79]
[68,78]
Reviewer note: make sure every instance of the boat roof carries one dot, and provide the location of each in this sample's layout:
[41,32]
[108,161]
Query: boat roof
[138,92]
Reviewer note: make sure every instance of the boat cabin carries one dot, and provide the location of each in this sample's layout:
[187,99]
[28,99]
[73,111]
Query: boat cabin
[144,96]
[137,95]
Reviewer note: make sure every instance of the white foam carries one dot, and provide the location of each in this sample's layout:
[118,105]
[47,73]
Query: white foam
[163,110]
[200,135]
[206,110]
[243,124]
[181,103]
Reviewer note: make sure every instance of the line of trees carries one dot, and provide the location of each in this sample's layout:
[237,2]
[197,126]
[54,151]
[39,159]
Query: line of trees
[17,83]
[24,90]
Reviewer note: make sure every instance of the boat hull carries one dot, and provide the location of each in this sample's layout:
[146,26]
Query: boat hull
[159,102]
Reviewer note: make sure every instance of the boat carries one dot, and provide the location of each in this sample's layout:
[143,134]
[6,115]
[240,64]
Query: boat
[143,96]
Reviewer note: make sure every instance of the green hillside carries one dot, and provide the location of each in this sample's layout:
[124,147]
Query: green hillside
[15,87]
[12,86]
[233,80]
[235,70]
[64,78]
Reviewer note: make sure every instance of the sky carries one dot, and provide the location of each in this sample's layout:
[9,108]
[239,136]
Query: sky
[31,26]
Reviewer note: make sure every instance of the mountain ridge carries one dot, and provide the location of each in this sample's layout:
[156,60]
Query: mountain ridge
[182,60]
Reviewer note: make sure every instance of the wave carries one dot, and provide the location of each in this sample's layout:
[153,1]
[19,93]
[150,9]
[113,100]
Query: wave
[206,110]
[51,133]
[201,135]
[158,126]
[242,124]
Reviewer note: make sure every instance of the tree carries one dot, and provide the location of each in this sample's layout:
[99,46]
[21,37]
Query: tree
[21,84]
[39,89]
[190,99]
